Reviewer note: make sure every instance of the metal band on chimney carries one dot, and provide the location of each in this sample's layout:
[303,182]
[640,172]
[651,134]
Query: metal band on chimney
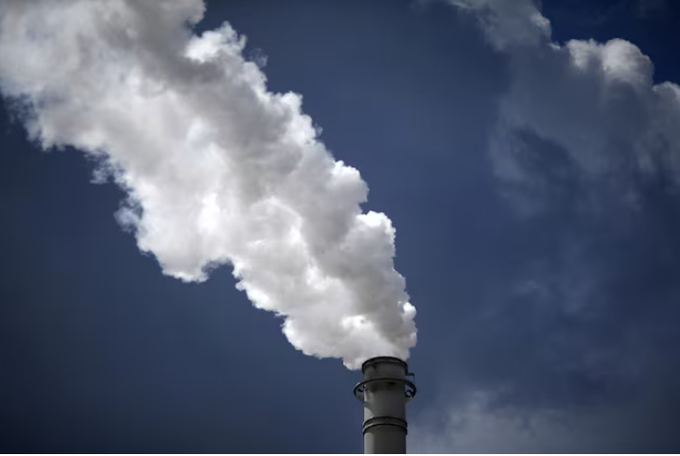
[385,421]
[410,391]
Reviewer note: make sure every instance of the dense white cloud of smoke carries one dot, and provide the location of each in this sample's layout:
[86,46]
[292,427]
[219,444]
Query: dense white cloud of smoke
[217,168]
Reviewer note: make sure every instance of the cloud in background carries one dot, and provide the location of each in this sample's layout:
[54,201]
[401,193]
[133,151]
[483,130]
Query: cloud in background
[217,168]
[579,341]
[552,298]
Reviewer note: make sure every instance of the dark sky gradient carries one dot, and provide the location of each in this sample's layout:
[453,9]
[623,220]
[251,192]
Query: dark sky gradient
[565,311]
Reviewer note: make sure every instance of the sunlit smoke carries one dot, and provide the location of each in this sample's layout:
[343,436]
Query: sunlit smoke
[217,168]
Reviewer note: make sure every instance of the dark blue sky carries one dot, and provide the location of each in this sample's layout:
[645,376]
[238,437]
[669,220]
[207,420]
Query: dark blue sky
[565,313]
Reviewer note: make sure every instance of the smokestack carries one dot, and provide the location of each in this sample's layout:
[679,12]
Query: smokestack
[384,391]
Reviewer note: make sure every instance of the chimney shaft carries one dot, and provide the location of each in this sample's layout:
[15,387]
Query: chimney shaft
[384,393]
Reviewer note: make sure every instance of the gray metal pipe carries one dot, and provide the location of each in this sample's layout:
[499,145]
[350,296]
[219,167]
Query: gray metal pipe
[384,392]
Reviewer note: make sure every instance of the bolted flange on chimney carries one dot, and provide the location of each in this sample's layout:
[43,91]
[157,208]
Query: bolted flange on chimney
[384,391]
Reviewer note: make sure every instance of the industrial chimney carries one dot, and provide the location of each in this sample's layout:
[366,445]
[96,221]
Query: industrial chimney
[384,392]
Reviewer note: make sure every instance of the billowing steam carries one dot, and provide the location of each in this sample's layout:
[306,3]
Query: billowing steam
[217,168]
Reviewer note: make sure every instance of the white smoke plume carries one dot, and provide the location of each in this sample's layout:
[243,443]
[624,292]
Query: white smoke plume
[217,168]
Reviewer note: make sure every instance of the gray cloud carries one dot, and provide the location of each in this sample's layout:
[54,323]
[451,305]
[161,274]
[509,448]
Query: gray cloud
[577,342]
